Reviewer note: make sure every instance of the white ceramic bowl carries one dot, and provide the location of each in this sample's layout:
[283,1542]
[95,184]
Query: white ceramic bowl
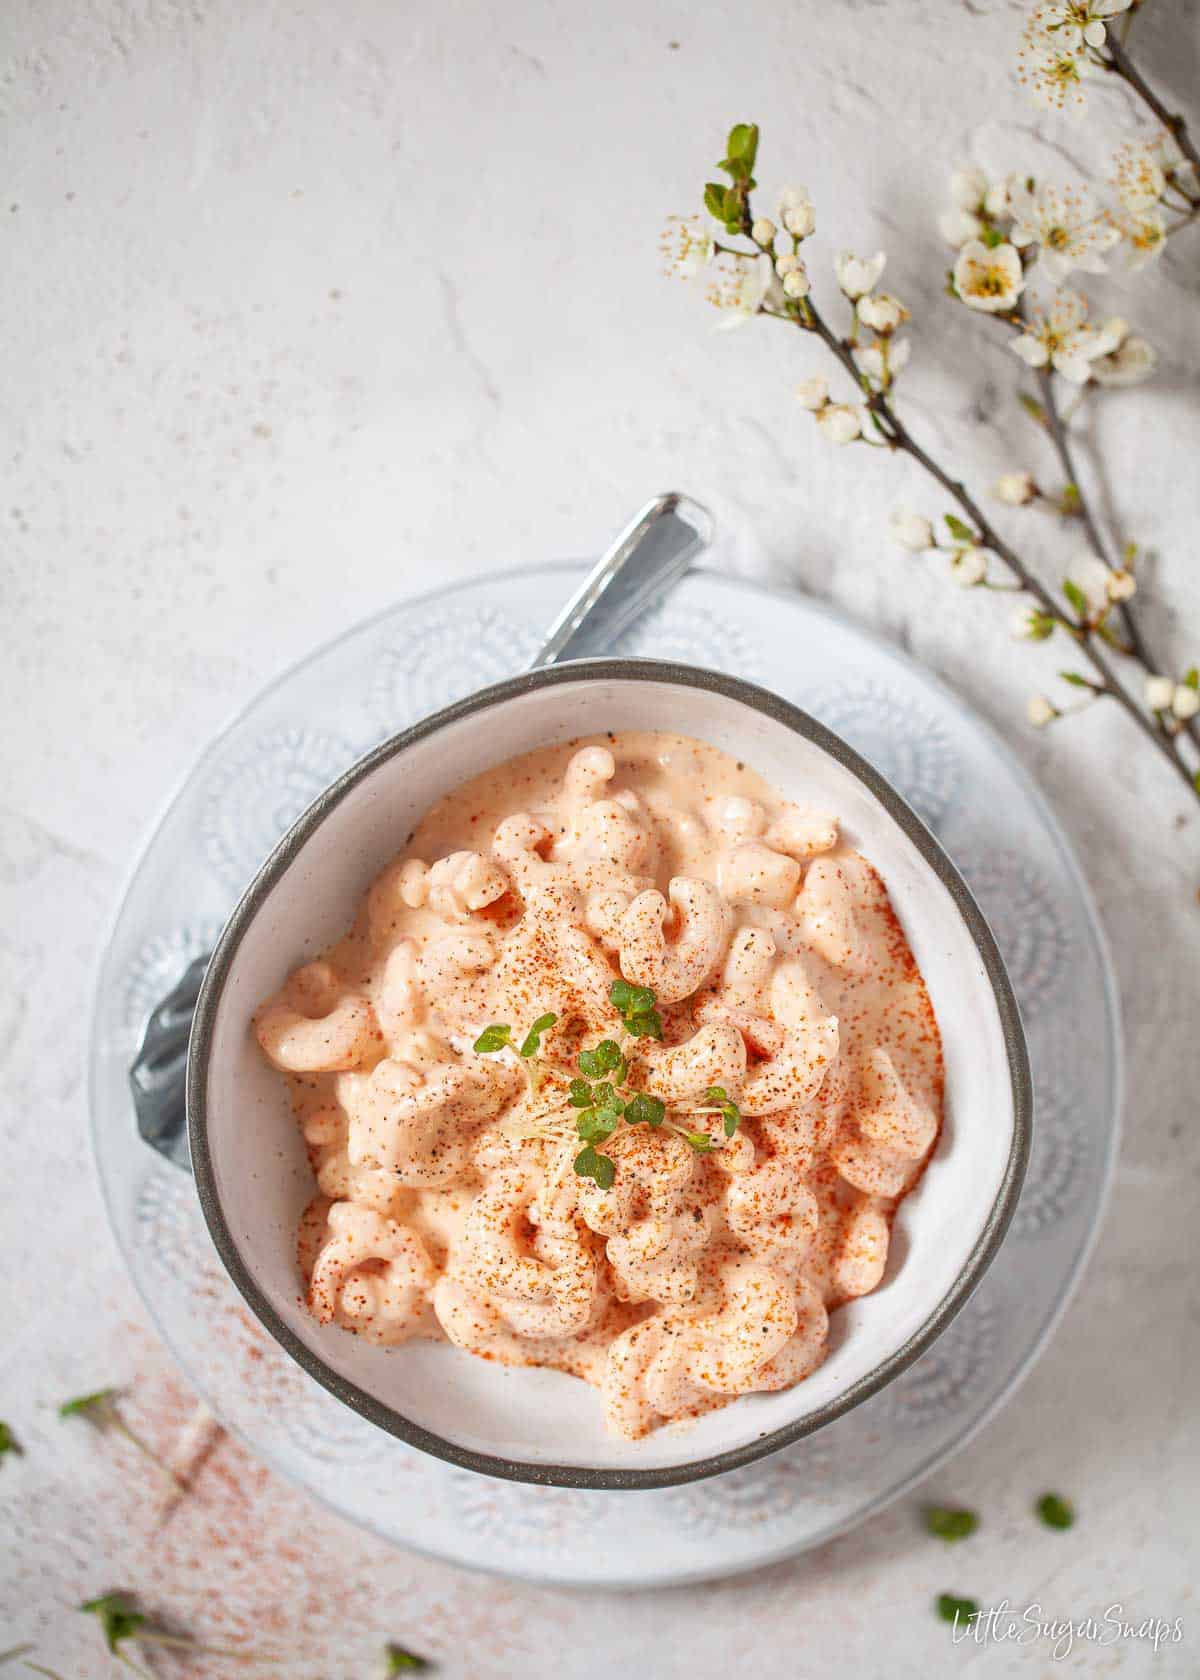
[542,1426]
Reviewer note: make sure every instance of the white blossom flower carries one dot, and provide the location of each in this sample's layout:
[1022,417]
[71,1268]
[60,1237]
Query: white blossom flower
[1015,488]
[812,393]
[1122,585]
[968,566]
[1040,711]
[957,226]
[1129,362]
[996,200]
[1160,692]
[1139,179]
[840,422]
[797,212]
[870,359]
[1031,625]
[739,293]
[1069,231]
[1143,234]
[911,530]
[988,277]
[762,230]
[796,282]
[856,275]
[1088,16]
[880,311]
[1185,702]
[1090,577]
[686,247]
[1063,340]
[968,187]
[787,262]
[1051,62]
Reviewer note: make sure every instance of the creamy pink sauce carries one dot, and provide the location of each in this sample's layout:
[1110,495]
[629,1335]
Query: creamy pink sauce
[448,1202]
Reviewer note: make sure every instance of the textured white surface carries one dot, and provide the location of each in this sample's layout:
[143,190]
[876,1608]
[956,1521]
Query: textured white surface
[313,305]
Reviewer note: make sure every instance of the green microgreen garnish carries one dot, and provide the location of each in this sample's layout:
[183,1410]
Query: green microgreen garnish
[492,1039]
[589,1163]
[1055,1511]
[643,1110]
[401,1661]
[700,1141]
[636,1007]
[101,1410]
[605,1058]
[533,1038]
[724,1105]
[949,1522]
[956,1610]
[9,1442]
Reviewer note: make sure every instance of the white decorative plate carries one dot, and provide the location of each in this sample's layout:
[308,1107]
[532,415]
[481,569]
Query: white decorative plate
[257,778]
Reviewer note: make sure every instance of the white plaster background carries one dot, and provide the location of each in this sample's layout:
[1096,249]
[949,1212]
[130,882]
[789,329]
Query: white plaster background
[309,305]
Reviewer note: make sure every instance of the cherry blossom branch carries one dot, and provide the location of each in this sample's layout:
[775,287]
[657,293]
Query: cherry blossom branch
[899,437]
[1119,62]
[1139,648]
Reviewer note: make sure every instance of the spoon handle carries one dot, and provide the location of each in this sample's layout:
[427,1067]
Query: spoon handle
[650,554]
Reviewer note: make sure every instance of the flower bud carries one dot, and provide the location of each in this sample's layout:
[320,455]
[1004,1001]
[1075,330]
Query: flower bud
[813,393]
[911,530]
[796,283]
[1015,488]
[763,231]
[1160,692]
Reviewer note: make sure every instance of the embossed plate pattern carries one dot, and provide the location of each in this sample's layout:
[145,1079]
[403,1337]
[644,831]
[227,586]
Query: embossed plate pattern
[257,778]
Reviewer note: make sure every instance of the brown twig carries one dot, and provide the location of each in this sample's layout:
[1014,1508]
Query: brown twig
[1119,61]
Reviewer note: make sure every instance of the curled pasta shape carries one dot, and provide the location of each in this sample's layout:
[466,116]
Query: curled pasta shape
[314,1026]
[802,834]
[741,819]
[741,1343]
[474,1324]
[772,1211]
[599,827]
[420,1124]
[400,1004]
[675,969]
[519,843]
[544,1289]
[655,1228]
[804,1051]
[889,1134]
[825,909]
[754,873]
[450,968]
[463,883]
[602,915]
[860,1256]
[715,1055]
[372,1275]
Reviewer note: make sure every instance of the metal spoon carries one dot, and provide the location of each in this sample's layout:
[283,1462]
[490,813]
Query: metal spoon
[648,557]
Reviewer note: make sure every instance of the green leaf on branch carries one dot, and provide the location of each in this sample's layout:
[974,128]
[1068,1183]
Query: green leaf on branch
[714,199]
[1032,407]
[960,531]
[1076,597]
[742,145]
[1075,680]
[1192,679]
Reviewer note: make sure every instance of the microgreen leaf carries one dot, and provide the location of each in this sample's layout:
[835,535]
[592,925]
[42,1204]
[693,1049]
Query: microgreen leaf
[605,1096]
[533,1038]
[590,1164]
[648,1025]
[597,1125]
[89,1405]
[644,1110]
[731,1113]
[117,1618]
[605,1058]
[1055,1511]
[492,1039]
[579,1094]
[956,1610]
[1076,597]
[8,1441]
[700,1141]
[402,1661]
[958,530]
[635,1006]
[949,1522]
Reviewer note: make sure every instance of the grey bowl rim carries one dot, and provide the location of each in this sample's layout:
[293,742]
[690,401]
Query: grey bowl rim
[286,852]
